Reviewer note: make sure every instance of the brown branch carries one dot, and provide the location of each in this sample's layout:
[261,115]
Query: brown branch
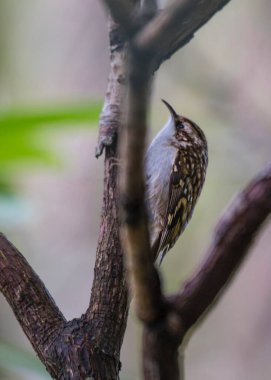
[142,273]
[90,345]
[135,114]
[30,301]
[108,307]
[110,118]
[123,13]
[160,355]
[233,237]
[175,26]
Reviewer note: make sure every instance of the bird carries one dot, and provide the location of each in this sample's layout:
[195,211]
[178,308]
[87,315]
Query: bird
[175,170]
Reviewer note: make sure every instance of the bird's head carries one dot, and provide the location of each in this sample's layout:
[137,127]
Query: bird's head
[185,132]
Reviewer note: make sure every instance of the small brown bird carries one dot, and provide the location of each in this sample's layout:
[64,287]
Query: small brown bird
[176,164]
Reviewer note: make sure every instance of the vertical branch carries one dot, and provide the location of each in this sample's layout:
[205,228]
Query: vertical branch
[160,356]
[162,324]
[142,274]
[110,119]
[109,293]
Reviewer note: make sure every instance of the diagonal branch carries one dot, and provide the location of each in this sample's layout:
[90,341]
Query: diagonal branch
[233,237]
[175,26]
[33,306]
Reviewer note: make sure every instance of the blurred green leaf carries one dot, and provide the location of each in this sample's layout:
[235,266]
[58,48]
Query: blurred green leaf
[20,130]
[13,120]
[12,358]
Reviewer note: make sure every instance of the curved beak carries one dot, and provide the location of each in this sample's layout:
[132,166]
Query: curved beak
[171,110]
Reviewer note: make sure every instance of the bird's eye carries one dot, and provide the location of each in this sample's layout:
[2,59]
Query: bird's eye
[179,124]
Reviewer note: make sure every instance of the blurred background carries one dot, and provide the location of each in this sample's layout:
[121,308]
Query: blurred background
[53,73]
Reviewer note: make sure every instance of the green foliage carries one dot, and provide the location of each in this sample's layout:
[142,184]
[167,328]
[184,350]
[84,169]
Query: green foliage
[19,130]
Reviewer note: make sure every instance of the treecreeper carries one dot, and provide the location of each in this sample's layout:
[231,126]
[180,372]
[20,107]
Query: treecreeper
[176,163]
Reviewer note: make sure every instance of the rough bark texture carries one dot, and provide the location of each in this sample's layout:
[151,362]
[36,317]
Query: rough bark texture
[108,304]
[111,116]
[34,308]
[89,347]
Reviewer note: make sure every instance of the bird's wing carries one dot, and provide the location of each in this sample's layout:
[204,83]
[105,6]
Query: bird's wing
[179,203]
